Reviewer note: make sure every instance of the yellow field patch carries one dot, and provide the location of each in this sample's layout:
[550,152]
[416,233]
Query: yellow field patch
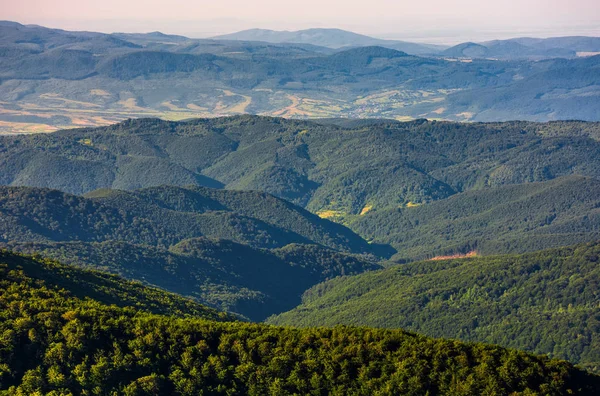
[53,96]
[292,110]
[327,214]
[9,128]
[413,205]
[171,106]
[240,107]
[366,209]
[100,92]
[130,104]
[195,107]
[466,114]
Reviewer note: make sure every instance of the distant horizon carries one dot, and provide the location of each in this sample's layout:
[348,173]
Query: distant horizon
[430,37]
[431,21]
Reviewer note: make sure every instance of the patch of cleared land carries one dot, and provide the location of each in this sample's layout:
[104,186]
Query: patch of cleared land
[100,92]
[366,209]
[454,256]
[57,97]
[328,214]
[587,53]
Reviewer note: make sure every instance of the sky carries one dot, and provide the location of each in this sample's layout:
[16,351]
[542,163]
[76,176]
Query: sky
[436,21]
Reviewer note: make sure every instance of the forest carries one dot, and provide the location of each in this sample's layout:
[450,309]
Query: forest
[544,302]
[57,342]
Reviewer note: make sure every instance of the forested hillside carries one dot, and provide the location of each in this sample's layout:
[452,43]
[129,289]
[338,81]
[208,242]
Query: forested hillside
[58,280]
[513,218]
[543,302]
[208,244]
[163,216]
[54,341]
[392,182]
[322,166]
[255,283]
[240,217]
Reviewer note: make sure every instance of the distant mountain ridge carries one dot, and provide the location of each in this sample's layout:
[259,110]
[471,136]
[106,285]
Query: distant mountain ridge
[53,79]
[332,38]
[527,48]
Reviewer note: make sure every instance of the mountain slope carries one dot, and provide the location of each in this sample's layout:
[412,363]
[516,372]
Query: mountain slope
[229,276]
[207,244]
[514,218]
[163,216]
[527,48]
[107,289]
[545,302]
[90,347]
[566,86]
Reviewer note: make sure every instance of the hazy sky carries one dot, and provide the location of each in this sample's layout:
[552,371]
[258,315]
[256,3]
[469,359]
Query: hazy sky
[424,20]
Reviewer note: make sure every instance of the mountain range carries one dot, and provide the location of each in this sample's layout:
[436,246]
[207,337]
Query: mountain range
[331,167]
[508,49]
[301,223]
[52,79]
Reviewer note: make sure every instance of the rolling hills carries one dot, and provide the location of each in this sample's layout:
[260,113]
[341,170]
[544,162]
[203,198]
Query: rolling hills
[52,79]
[163,216]
[243,252]
[544,302]
[319,165]
[169,236]
[89,347]
[396,183]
